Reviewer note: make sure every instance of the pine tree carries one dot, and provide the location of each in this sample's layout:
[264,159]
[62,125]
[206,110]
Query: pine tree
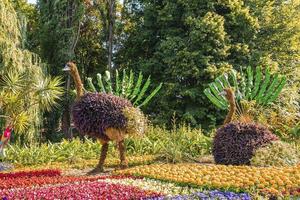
[60,24]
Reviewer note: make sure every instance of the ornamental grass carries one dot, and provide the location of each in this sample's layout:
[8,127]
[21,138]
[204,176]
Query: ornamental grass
[270,180]
[83,164]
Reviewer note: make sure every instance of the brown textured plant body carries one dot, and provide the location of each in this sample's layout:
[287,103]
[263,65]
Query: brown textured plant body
[235,143]
[99,115]
[94,113]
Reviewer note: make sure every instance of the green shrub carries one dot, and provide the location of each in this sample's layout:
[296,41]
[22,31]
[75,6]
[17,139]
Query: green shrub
[179,144]
[65,151]
[173,146]
[277,153]
[184,144]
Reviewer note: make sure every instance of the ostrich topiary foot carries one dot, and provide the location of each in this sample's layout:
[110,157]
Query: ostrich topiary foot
[124,165]
[96,170]
[99,168]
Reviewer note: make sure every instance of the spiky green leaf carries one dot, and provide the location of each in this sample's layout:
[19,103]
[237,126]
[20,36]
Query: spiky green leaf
[90,84]
[118,86]
[137,87]
[264,86]
[214,99]
[258,77]
[152,94]
[100,83]
[143,91]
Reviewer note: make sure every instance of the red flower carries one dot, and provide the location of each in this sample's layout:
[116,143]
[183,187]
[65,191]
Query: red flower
[8,183]
[47,172]
[85,190]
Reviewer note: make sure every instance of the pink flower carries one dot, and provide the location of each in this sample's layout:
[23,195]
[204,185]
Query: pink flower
[7,132]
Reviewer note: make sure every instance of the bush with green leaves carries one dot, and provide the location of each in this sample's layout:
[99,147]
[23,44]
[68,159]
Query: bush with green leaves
[177,145]
[26,90]
[124,86]
[185,145]
[263,88]
[277,154]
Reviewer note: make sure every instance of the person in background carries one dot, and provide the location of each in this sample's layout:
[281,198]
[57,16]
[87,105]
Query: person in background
[4,139]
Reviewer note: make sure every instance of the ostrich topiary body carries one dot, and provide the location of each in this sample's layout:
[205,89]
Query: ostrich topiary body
[235,143]
[94,113]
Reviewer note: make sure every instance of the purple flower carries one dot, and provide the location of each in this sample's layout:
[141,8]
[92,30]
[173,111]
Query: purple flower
[208,195]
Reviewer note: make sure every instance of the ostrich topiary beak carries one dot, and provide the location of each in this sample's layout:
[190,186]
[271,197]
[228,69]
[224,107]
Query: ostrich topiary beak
[66,68]
[222,93]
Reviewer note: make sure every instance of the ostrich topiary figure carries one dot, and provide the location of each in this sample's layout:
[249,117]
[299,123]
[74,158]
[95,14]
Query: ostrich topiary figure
[236,141]
[101,116]
[229,94]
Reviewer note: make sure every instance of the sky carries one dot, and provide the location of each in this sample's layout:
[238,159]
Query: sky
[34,1]
[31,1]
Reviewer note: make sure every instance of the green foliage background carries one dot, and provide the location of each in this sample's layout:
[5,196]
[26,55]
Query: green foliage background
[185,44]
[158,141]
[188,43]
[26,90]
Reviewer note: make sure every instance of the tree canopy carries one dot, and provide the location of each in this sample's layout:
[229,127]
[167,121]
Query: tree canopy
[188,43]
[26,90]
[185,44]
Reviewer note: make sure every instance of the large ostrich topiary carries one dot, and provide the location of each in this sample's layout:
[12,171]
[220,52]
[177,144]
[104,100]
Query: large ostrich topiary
[235,142]
[101,116]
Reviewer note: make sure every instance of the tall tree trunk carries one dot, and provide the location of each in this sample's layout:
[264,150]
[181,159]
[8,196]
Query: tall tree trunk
[66,116]
[111,32]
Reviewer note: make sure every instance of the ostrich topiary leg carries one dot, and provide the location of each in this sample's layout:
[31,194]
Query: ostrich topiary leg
[99,167]
[122,150]
[103,155]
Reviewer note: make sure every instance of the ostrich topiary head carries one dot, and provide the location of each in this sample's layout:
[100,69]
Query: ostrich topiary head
[72,68]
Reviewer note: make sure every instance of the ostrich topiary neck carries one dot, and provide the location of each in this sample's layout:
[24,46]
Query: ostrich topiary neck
[78,82]
[232,106]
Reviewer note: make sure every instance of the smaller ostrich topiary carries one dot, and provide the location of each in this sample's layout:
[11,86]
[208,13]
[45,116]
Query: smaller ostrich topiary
[236,142]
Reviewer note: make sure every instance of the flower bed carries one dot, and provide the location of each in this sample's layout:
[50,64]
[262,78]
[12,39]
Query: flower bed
[86,190]
[27,186]
[209,195]
[5,166]
[49,184]
[37,173]
[47,180]
[236,178]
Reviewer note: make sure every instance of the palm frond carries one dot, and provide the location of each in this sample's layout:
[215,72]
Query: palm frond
[126,86]
[264,88]
[48,91]
[12,82]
